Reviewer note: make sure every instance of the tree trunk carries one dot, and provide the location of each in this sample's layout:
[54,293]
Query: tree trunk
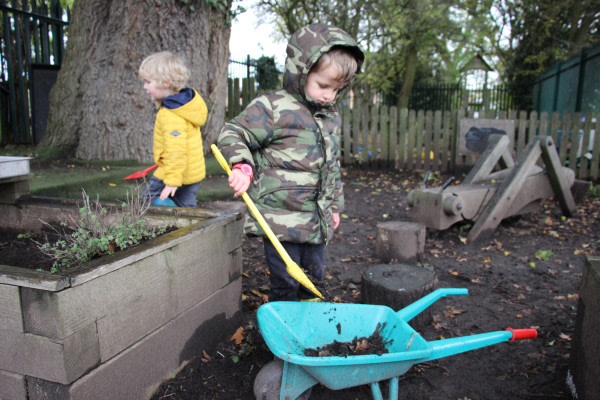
[98,107]
[408,77]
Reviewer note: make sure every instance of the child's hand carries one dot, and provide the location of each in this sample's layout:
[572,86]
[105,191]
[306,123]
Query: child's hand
[336,220]
[239,182]
[168,191]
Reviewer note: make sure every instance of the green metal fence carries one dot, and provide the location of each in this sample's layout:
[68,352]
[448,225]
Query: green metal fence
[571,86]
[454,97]
[31,51]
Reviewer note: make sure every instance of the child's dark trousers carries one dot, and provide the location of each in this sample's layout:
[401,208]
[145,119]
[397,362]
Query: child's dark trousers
[310,257]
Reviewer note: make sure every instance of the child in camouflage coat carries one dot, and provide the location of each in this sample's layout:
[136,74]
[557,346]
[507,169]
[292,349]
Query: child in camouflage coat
[284,149]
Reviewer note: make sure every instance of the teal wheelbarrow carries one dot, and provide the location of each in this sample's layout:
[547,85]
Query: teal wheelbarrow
[289,328]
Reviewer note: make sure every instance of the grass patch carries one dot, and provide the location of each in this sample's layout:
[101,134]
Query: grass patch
[66,179]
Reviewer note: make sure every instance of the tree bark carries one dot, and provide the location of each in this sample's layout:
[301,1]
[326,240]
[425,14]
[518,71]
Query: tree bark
[408,78]
[98,107]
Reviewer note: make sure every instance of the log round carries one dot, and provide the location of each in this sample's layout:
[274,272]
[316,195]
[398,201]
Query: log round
[397,286]
[400,241]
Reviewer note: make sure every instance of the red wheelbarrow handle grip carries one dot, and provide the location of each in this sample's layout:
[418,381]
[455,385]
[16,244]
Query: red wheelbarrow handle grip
[530,333]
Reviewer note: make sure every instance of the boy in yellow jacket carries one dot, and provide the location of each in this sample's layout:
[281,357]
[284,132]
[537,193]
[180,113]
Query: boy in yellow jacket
[177,146]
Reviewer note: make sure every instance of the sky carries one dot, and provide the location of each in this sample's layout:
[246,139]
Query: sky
[249,38]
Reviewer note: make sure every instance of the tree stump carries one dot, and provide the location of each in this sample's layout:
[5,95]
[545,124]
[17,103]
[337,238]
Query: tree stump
[400,241]
[397,286]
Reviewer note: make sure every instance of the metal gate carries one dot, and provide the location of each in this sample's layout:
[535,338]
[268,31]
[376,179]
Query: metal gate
[31,50]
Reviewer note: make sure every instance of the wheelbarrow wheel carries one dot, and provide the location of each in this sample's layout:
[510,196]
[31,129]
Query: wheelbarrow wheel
[267,384]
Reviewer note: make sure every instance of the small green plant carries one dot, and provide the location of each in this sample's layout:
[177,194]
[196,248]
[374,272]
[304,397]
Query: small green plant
[594,190]
[98,231]
[543,255]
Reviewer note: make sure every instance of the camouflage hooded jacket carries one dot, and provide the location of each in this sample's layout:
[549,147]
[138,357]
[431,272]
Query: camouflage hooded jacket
[293,146]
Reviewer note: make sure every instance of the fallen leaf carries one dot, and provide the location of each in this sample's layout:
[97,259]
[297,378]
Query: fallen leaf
[362,345]
[238,336]
[451,312]
[564,336]
[263,296]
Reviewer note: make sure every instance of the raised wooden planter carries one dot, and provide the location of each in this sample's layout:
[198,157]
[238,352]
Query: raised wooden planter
[120,325]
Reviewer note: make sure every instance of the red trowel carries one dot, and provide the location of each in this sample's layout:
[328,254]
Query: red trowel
[140,174]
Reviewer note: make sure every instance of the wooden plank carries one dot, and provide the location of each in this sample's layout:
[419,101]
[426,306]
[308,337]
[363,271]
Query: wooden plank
[532,127]
[419,140]
[445,147]
[365,132]
[522,135]
[558,179]
[384,129]
[573,135]
[497,145]
[11,317]
[437,138]
[22,277]
[582,168]
[425,155]
[555,126]
[402,138]
[346,135]
[356,132]
[543,123]
[12,386]
[410,148]
[372,147]
[59,361]
[393,142]
[563,141]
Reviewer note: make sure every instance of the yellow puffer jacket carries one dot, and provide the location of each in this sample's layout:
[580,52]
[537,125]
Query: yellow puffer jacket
[177,139]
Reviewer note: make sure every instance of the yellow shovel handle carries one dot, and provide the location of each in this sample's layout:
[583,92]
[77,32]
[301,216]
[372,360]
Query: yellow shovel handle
[302,278]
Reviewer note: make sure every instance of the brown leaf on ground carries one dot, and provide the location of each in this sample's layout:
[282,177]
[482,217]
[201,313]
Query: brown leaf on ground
[238,336]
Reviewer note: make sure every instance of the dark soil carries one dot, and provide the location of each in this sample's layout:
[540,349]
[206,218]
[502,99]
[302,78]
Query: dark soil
[373,344]
[527,275]
[19,250]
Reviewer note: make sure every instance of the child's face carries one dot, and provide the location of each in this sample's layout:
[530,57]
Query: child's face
[155,90]
[323,85]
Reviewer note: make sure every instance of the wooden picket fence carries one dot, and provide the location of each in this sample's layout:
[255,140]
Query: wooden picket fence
[387,137]
[375,135]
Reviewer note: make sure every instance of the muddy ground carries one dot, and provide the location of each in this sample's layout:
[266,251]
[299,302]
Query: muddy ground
[527,275]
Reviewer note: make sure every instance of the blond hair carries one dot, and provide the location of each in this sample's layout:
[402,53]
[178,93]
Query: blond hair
[343,59]
[165,68]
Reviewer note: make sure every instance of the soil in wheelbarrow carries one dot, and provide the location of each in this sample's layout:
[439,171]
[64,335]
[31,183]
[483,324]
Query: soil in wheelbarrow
[359,346]
[527,275]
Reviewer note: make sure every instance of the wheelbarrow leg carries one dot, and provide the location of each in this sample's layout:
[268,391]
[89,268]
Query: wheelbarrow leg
[393,390]
[376,391]
[295,382]
[393,395]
